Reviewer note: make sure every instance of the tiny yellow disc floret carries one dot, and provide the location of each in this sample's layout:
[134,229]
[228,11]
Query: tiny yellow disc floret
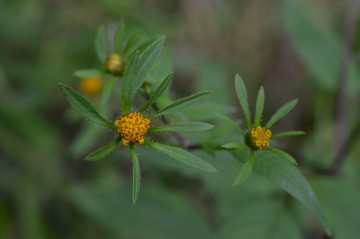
[132,127]
[258,137]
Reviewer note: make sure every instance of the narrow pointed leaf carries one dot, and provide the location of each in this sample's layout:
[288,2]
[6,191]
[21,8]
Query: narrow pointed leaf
[132,44]
[89,73]
[288,177]
[245,170]
[180,104]
[229,121]
[119,37]
[107,90]
[137,69]
[82,106]
[101,153]
[281,113]
[288,133]
[242,96]
[182,156]
[259,106]
[186,127]
[136,173]
[158,92]
[234,145]
[100,44]
[282,155]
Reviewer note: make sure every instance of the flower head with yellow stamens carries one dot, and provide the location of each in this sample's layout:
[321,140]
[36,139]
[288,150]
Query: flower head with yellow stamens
[258,137]
[132,127]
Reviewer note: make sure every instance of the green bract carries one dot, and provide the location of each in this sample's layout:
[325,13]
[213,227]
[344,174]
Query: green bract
[137,69]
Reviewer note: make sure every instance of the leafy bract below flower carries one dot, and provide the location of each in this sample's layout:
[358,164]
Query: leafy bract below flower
[133,127]
[257,136]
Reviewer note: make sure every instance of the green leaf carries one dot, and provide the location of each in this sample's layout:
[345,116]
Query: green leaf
[180,104]
[259,106]
[107,90]
[100,44]
[281,112]
[282,154]
[101,153]
[133,43]
[242,96]
[119,37]
[89,73]
[234,145]
[245,170]
[158,92]
[137,69]
[288,177]
[229,121]
[82,106]
[182,156]
[288,133]
[186,127]
[136,173]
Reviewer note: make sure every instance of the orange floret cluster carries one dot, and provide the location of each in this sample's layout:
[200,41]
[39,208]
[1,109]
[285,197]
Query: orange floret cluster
[132,127]
[259,137]
[91,85]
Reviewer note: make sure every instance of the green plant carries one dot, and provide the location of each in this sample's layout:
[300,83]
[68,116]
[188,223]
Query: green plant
[133,127]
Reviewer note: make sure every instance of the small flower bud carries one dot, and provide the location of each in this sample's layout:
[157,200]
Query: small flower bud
[91,85]
[115,64]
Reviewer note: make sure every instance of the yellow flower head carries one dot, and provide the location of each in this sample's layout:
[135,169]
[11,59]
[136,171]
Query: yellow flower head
[132,127]
[114,64]
[258,137]
[91,85]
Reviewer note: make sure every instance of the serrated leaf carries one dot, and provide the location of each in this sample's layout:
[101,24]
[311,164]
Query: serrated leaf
[137,69]
[288,133]
[229,121]
[288,177]
[136,173]
[281,112]
[158,92]
[234,145]
[282,155]
[100,44]
[245,170]
[186,127]
[182,156]
[259,106]
[119,37]
[180,104]
[241,93]
[107,90]
[82,106]
[102,152]
[83,73]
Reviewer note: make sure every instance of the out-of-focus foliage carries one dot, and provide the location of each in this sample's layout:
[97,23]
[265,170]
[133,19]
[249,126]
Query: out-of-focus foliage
[292,48]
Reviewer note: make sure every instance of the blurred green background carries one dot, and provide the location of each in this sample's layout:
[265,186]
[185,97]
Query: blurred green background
[292,48]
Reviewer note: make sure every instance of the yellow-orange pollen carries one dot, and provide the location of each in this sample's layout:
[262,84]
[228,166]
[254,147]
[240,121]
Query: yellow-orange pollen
[132,127]
[259,137]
